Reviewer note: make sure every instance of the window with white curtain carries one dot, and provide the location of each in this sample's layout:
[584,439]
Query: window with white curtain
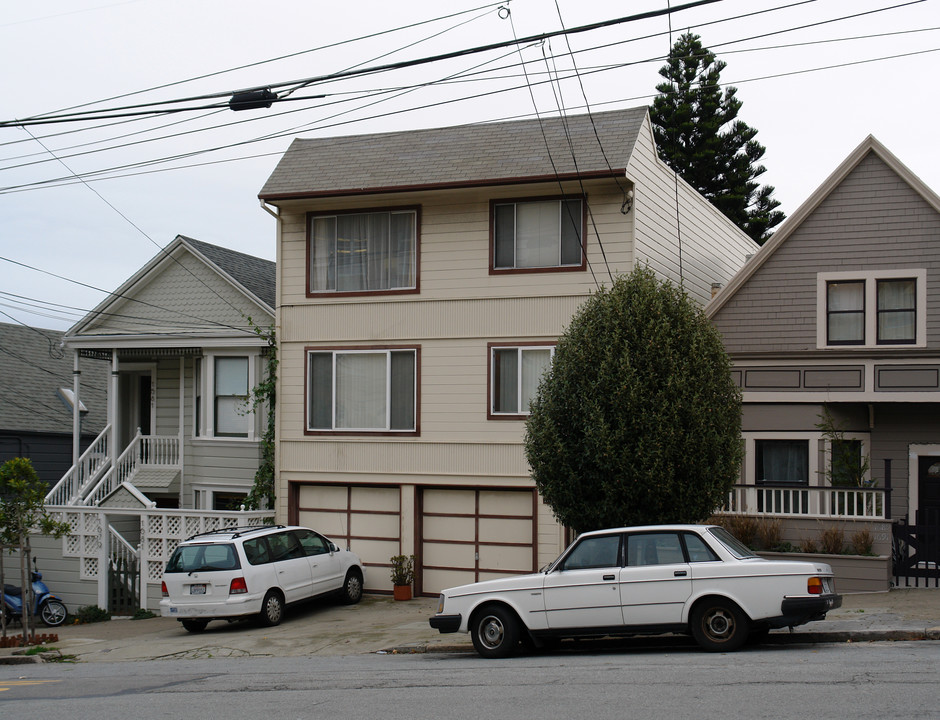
[515,373]
[897,311]
[363,252]
[362,390]
[782,462]
[538,234]
[231,396]
[846,312]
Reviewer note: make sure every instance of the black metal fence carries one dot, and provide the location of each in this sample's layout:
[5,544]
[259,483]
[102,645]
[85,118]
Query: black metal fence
[916,554]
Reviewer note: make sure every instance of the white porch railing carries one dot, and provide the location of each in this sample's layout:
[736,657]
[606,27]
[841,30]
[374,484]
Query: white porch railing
[143,451]
[807,502]
[91,465]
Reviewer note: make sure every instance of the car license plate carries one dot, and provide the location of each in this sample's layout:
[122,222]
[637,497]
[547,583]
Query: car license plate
[197,589]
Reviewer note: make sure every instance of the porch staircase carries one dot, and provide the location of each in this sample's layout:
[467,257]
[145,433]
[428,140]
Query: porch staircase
[150,461]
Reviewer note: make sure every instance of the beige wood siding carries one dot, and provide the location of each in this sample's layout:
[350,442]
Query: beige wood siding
[713,249]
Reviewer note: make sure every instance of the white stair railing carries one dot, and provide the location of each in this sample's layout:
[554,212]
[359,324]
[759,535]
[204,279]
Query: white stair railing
[143,451]
[85,473]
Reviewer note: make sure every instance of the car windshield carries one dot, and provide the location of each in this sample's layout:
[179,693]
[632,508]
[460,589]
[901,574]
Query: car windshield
[202,558]
[733,545]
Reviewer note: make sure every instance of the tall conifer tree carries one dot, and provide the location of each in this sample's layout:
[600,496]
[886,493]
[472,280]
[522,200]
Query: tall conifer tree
[699,136]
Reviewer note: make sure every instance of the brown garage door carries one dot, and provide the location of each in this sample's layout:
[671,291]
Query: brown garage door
[367,519]
[471,535]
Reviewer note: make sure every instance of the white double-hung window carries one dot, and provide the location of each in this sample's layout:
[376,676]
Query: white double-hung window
[537,234]
[872,308]
[368,390]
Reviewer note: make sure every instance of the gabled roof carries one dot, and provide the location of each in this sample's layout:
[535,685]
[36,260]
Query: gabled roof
[251,277]
[868,145]
[32,369]
[459,156]
[253,273]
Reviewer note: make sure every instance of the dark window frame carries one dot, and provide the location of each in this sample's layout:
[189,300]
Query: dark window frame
[759,449]
[491,347]
[879,312]
[830,313]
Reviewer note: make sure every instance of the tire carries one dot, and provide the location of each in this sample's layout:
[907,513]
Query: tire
[53,613]
[719,625]
[352,587]
[194,626]
[495,632]
[272,609]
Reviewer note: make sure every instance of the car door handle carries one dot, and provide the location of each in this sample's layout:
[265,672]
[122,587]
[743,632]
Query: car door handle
[680,573]
[608,577]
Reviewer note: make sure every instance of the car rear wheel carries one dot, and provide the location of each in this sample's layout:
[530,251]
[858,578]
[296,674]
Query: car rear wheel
[194,626]
[352,587]
[495,632]
[719,625]
[272,609]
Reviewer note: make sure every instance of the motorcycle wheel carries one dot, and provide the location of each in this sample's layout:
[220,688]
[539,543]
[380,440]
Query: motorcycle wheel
[53,613]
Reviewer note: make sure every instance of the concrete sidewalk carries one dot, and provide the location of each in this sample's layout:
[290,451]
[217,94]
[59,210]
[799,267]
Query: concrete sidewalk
[378,624]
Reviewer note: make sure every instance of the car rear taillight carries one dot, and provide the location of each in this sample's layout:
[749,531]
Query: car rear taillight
[238,586]
[166,593]
[814,586]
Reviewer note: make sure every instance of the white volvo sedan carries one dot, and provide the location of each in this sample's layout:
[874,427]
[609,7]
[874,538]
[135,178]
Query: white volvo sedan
[693,579]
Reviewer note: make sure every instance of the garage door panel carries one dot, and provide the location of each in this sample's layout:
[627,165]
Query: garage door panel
[322,497]
[375,551]
[503,530]
[494,502]
[437,580]
[449,528]
[456,502]
[376,499]
[510,559]
[372,525]
[333,525]
[449,555]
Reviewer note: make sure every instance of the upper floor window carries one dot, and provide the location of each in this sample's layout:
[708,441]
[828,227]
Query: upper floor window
[363,252]
[515,373]
[369,390]
[872,309]
[537,234]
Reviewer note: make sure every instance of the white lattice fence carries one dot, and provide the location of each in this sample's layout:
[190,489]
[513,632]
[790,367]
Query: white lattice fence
[84,540]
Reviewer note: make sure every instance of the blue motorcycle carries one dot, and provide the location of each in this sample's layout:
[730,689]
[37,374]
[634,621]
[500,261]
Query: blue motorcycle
[47,606]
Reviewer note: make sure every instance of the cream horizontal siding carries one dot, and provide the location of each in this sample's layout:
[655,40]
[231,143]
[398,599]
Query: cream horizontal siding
[713,248]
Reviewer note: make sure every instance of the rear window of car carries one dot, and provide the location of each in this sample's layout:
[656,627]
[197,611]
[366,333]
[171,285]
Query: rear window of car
[203,558]
[734,546]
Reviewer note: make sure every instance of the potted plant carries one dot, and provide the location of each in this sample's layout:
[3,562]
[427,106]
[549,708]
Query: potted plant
[403,575]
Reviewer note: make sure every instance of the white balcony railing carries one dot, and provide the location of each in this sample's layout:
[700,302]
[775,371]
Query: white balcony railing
[806,501]
[143,451]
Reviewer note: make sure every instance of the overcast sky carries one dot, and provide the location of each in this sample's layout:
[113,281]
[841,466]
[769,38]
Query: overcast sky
[814,92]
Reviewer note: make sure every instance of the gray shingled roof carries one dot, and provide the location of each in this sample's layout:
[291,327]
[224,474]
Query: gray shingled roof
[253,273]
[464,155]
[32,369]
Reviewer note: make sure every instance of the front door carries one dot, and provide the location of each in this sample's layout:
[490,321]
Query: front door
[928,491]
[584,590]
[136,404]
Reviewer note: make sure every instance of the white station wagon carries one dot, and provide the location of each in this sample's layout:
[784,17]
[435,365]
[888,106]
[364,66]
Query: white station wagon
[254,571]
[693,579]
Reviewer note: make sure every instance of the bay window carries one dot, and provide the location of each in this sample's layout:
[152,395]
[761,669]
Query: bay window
[368,390]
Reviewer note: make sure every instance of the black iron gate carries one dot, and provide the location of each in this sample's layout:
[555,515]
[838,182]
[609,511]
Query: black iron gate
[916,553]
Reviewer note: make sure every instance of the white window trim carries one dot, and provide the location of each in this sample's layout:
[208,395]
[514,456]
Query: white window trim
[870,278]
[492,379]
[207,388]
[819,452]
[204,495]
[388,390]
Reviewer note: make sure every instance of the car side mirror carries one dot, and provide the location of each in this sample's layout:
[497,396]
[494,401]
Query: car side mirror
[333,548]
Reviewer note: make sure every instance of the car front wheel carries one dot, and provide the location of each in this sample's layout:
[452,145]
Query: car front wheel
[352,587]
[495,632]
[719,625]
[272,609]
